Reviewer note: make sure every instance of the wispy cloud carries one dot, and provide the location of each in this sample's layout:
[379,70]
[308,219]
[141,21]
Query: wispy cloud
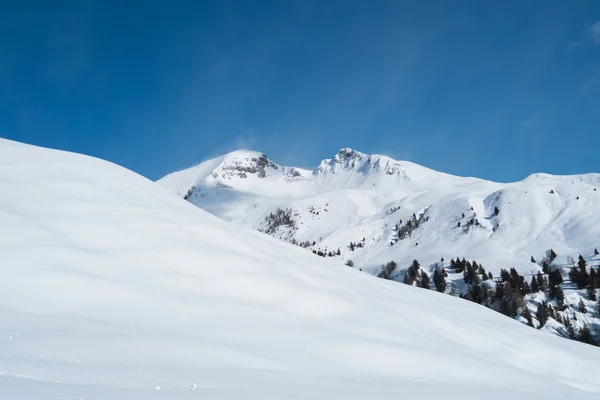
[573,45]
[591,84]
[531,123]
[595,32]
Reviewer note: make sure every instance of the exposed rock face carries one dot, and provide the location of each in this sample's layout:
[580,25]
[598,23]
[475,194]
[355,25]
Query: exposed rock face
[243,166]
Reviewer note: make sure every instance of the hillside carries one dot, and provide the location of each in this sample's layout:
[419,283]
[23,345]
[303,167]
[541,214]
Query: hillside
[369,211]
[113,288]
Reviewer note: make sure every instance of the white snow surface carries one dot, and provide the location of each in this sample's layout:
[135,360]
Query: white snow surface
[354,196]
[113,288]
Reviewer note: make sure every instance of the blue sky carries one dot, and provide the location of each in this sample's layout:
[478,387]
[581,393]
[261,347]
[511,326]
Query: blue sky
[494,89]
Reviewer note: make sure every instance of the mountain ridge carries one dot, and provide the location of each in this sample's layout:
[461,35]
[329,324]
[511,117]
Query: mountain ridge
[371,212]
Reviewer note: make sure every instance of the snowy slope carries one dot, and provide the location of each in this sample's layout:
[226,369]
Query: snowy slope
[113,288]
[354,196]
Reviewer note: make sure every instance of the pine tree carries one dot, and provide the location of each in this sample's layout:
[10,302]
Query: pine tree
[526,288]
[413,271]
[595,252]
[585,335]
[468,274]
[476,293]
[527,315]
[555,278]
[496,211]
[388,270]
[542,314]
[570,329]
[534,285]
[545,267]
[560,297]
[490,276]
[579,274]
[424,280]
[591,294]
[500,291]
[582,307]
[594,279]
[540,281]
[439,281]
[558,318]
[551,313]
[533,260]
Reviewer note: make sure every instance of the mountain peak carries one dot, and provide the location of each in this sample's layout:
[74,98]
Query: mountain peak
[348,155]
[242,163]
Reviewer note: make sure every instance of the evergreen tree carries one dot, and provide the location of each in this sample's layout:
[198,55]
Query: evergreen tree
[424,280]
[545,267]
[540,281]
[500,290]
[490,276]
[526,288]
[570,329]
[439,281]
[579,274]
[533,260]
[527,315]
[595,252]
[476,293]
[413,271]
[551,313]
[582,307]
[388,270]
[542,314]
[560,297]
[555,278]
[585,335]
[468,274]
[504,275]
[594,279]
[534,285]
[496,211]
[591,294]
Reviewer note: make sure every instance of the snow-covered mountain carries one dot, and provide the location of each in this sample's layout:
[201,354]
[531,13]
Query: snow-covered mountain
[378,215]
[369,200]
[113,288]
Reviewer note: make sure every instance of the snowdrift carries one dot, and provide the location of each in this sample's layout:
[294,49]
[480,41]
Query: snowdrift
[113,288]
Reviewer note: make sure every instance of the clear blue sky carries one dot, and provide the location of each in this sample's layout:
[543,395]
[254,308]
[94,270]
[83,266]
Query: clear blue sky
[494,89]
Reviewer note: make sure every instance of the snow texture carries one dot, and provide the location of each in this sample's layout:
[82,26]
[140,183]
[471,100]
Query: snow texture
[114,288]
